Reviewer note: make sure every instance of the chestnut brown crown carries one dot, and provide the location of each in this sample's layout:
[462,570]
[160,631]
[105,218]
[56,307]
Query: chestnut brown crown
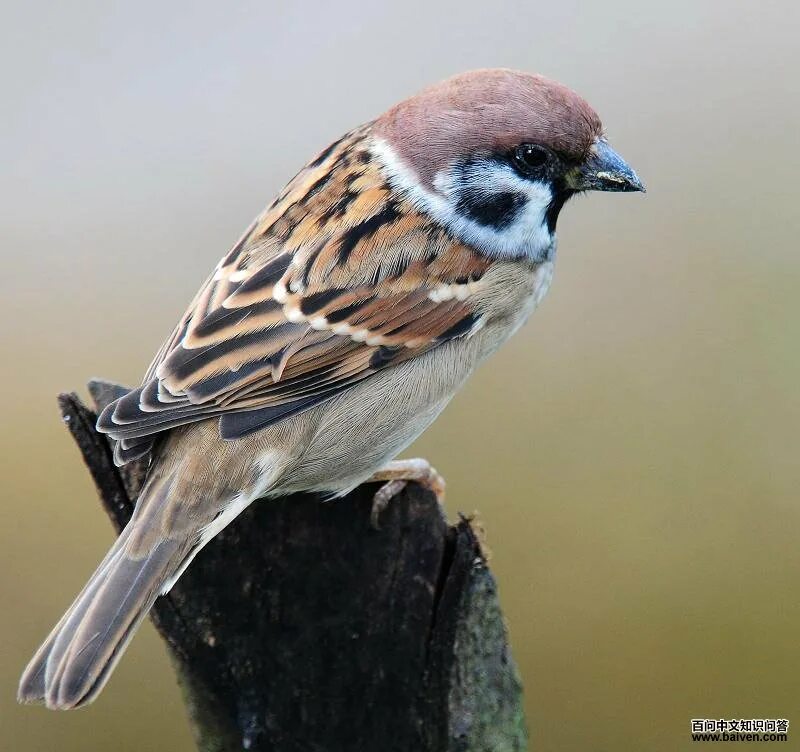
[488,111]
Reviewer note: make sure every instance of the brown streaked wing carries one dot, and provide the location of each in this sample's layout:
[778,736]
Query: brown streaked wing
[292,317]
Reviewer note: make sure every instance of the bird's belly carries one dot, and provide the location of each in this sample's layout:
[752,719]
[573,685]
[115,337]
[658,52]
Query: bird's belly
[369,425]
[338,444]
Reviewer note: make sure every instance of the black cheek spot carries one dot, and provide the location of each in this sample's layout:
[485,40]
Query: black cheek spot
[496,210]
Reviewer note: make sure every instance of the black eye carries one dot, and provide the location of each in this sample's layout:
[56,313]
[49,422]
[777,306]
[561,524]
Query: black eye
[530,159]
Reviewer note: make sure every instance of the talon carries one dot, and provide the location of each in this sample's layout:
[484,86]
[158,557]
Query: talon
[397,475]
[381,500]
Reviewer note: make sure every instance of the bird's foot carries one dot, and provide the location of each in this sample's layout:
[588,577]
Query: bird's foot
[397,475]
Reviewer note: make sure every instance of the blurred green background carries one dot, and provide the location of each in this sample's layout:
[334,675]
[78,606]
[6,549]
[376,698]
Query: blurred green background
[633,451]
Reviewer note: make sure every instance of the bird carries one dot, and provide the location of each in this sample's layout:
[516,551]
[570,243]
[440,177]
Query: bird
[334,332]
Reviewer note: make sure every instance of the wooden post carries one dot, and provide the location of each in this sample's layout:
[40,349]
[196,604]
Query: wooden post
[302,628]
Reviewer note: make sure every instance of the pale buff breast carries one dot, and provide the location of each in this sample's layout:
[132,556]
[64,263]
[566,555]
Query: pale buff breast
[339,443]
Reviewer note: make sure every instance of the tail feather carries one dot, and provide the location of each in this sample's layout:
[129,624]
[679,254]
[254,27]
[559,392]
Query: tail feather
[88,648]
[77,658]
[75,661]
[32,685]
[175,517]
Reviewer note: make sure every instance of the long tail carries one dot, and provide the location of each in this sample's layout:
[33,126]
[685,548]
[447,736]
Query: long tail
[76,660]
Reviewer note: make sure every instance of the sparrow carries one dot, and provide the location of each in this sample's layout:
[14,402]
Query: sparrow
[334,332]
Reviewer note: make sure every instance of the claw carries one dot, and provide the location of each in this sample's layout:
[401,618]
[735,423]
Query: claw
[397,475]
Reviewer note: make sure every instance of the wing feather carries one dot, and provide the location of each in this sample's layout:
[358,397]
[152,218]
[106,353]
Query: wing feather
[338,279]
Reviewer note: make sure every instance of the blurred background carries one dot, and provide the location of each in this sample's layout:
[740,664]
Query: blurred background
[633,451]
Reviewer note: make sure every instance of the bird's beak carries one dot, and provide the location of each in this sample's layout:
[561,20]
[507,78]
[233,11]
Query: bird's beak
[605,170]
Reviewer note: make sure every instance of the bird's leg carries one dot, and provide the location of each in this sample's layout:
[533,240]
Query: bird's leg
[397,474]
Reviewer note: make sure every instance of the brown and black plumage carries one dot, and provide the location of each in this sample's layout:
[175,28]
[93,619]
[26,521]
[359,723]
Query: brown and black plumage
[335,331]
[331,284]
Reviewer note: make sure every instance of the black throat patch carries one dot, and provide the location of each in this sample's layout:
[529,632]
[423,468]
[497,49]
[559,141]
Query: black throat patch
[562,195]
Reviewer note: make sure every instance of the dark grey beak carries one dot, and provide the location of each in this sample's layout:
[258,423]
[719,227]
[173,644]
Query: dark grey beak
[605,170]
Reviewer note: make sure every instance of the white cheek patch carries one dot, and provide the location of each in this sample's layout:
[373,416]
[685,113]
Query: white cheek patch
[525,234]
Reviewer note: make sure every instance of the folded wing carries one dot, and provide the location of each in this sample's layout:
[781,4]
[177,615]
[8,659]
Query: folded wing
[330,285]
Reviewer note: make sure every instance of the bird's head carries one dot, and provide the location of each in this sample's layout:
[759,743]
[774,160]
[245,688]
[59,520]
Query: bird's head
[493,155]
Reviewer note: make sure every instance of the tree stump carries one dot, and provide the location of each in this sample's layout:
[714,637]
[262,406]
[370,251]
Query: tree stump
[302,628]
